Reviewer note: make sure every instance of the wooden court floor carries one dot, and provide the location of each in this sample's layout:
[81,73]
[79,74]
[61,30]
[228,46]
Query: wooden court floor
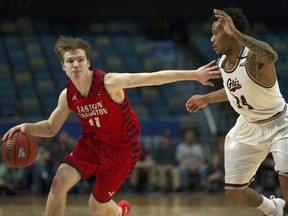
[142,205]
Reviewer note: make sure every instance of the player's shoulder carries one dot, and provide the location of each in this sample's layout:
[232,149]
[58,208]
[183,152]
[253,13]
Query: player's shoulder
[63,94]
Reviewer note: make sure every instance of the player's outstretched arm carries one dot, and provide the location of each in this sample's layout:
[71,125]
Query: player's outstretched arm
[116,81]
[197,102]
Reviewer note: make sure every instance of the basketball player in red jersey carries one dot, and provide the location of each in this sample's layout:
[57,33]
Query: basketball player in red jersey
[109,145]
[251,86]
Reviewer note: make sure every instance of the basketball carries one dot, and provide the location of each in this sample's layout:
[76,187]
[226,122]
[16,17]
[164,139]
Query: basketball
[20,150]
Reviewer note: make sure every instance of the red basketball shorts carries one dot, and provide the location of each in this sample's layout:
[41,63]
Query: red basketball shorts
[112,165]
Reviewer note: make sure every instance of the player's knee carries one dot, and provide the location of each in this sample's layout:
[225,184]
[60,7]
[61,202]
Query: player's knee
[58,185]
[235,195]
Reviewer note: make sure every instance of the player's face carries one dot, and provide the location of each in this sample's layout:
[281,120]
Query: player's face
[75,64]
[221,42]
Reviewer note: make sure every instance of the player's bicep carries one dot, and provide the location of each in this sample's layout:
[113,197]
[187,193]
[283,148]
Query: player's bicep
[118,81]
[263,73]
[60,113]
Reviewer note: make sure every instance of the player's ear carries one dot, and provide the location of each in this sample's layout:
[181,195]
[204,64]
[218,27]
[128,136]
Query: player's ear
[88,63]
[63,67]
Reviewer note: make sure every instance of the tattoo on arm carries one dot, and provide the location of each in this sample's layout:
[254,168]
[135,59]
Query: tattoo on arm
[252,65]
[262,51]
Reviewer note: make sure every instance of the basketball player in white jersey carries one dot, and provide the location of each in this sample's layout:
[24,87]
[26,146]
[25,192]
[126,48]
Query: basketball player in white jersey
[251,86]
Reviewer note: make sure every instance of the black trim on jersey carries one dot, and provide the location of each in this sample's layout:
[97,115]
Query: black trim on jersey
[234,66]
[127,111]
[67,161]
[137,150]
[242,57]
[129,123]
[131,128]
[124,105]
[134,134]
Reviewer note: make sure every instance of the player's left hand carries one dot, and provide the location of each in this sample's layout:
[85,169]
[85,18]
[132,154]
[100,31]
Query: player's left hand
[195,103]
[225,21]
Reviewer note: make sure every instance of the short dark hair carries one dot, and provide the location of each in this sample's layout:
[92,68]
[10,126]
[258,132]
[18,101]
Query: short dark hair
[239,18]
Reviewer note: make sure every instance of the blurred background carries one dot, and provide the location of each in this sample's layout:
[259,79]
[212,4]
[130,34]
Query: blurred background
[128,36]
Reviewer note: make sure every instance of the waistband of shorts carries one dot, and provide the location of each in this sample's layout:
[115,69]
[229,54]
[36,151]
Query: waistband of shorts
[277,115]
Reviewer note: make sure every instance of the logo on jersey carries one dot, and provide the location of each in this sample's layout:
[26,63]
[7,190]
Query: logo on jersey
[111,193]
[90,110]
[74,98]
[233,85]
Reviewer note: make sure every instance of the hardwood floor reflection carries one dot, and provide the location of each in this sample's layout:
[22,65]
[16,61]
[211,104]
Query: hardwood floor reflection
[142,205]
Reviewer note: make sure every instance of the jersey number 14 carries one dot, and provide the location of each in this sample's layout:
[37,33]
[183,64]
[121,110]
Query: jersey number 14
[242,102]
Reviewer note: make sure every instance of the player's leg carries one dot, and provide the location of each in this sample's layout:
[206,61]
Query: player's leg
[114,170]
[280,155]
[284,188]
[244,195]
[242,159]
[109,208]
[65,178]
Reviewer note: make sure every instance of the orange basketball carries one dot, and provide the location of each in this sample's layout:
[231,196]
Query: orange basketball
[20,150]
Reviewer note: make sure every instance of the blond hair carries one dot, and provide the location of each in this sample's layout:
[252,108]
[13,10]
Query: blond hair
[66,44]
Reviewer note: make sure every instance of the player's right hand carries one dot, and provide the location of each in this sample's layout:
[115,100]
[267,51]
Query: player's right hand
[12,130]
[195,103]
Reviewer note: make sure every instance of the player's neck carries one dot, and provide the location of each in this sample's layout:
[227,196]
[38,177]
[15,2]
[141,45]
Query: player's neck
[83,85]
[236,52]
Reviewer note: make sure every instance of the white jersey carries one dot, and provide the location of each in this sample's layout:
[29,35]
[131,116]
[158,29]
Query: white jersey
[248,97]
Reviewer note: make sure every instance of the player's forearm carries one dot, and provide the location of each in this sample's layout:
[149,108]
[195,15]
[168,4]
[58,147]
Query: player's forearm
[40,129]
[216,96]
[168,76]
[263,51]
[148,79]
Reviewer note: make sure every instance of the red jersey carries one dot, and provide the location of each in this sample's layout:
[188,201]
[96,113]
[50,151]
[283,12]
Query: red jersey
[103,119]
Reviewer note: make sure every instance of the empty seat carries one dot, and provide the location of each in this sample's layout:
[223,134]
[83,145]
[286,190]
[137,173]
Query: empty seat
[158,111]
[103,41]
[22,78]
[150,92]
[12,42]
[31,107]
[25,26]
[141,111]
[42,28]
[151,63]
[174,103]
[49,104]
[47,88]
[96,28]
[8,26]
[115,64]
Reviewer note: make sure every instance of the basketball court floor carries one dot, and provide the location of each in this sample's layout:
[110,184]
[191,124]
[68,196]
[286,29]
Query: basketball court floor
[142,205]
